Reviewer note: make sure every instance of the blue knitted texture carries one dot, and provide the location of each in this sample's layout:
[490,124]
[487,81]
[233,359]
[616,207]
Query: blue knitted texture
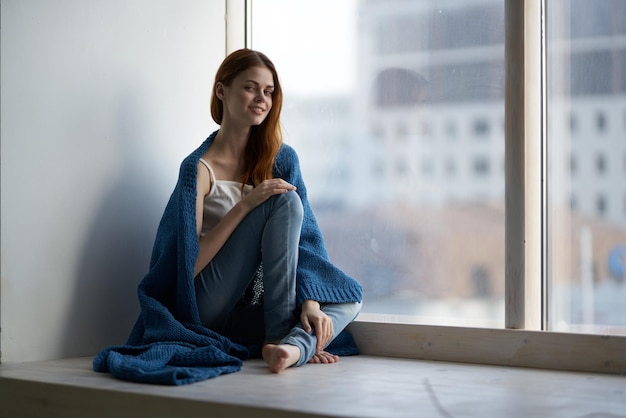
[168,344]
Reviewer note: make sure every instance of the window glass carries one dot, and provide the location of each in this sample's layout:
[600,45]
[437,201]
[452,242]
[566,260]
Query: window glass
[395,108]
[586,141]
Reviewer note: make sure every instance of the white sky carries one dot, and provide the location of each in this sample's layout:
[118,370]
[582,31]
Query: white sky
[312,43]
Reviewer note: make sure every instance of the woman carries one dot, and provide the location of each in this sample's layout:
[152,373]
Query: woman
[252,211]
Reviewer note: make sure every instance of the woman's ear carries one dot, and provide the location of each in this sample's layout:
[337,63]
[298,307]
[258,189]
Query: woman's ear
[219,90]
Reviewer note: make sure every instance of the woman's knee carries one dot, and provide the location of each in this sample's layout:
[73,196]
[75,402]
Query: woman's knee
[293,204]
[356,308]
[343,312]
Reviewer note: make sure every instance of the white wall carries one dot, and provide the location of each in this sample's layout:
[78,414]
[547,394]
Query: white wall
[100,102]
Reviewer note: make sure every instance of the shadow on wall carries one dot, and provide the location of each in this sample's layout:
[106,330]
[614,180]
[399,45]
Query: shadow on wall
[116,250]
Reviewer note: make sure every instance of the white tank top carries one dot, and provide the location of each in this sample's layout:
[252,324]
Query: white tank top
[223,195]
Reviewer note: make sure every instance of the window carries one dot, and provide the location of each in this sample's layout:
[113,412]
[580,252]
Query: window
[378,169]
[573,123]
[427,167]
[481,127]
[449,82]
[600,121]
[601,205]
[600,164]
[426,130]
[417,68]
[481,167]
[589,85]
[401,131]
[402,169]
[481,281]
[450,167]
[451,129]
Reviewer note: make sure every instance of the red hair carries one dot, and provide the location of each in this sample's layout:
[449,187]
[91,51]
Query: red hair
[265,139]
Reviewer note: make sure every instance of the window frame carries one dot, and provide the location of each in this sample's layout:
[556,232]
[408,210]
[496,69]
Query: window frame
[526,339]
[525,162]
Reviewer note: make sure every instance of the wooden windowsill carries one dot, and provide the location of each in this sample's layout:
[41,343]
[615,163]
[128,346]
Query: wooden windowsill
[505,347]
[359,386]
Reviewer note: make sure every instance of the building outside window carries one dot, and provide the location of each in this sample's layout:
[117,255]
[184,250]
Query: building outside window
[587,81]
[428,246]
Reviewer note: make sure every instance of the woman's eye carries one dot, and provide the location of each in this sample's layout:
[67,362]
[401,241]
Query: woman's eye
[269,92]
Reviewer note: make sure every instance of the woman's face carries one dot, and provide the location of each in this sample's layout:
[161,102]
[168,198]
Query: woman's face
[248,100]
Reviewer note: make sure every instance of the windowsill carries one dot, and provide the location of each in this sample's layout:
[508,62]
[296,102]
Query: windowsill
[395,375]
[363,386]
[504,347]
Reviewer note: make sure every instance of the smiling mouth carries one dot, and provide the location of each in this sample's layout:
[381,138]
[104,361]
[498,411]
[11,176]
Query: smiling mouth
[257,110]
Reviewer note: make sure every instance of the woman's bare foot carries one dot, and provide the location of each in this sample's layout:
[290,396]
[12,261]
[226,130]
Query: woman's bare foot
[324,357]
[281,356]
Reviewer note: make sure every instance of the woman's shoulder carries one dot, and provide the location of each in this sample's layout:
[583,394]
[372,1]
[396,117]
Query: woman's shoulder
[287,155]
[189,166]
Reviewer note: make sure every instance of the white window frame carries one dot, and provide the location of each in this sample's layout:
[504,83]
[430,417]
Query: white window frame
[238,24]
[525,340]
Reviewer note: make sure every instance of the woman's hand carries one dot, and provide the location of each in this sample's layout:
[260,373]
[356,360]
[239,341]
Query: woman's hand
[313,317]
[264,191]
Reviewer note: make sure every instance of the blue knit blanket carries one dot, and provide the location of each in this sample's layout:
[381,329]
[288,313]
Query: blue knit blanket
[168,344]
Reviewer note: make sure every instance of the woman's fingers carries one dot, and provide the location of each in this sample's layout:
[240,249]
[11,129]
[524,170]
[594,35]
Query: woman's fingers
[313,317]
[267,189]
[278,185]
[324,357]
[324,332]
[274,186]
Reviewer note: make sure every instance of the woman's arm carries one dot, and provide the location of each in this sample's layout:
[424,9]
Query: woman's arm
[211,243]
